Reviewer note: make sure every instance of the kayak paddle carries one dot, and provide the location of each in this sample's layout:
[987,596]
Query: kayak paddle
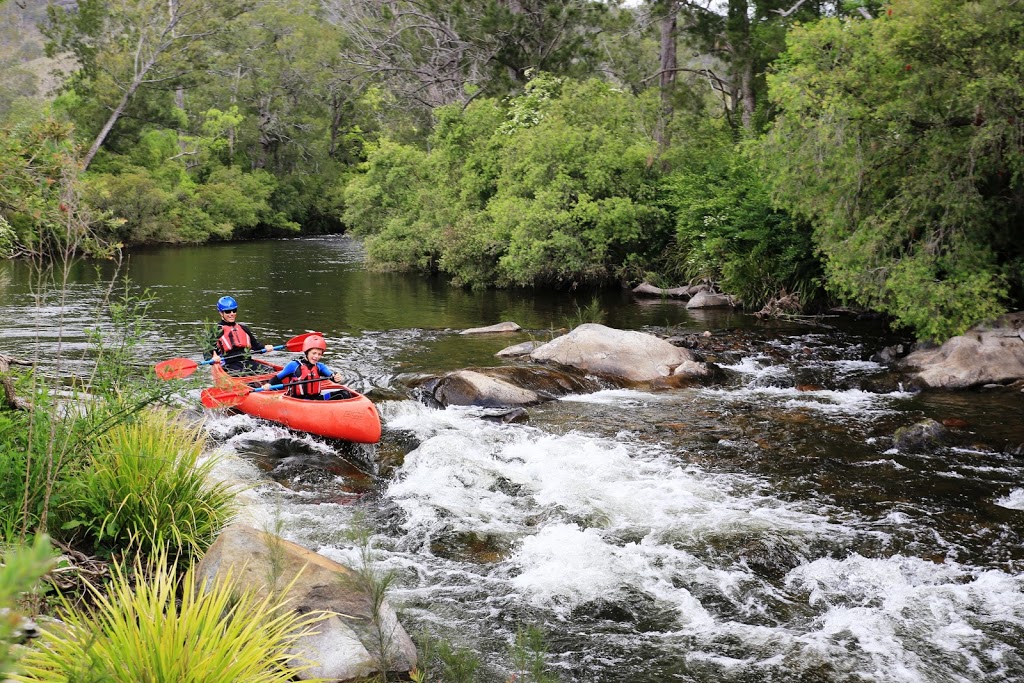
[179,368]
[215,397]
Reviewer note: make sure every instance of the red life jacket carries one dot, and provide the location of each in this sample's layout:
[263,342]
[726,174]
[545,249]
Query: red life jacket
[233,337]
[306,371]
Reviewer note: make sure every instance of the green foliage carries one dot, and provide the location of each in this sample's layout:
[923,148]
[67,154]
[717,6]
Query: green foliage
[20,570]
[728,232]
[27,483]
[8,239]
[155,626]
[591,313]
[146,488]
[393,203]
[457,664]
[900,140]
[528,656]
[374,585]
[241,200]
[166,205]
[557,193]
[453,664]
[39,198]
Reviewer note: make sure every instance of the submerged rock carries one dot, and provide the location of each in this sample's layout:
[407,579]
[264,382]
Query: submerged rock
[470,388]
[924,435]
[509,387]
[507,326]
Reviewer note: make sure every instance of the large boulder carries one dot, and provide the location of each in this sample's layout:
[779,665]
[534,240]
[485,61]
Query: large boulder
[989,353]
[345,646]
[629,355]
[471,388]
[506,386]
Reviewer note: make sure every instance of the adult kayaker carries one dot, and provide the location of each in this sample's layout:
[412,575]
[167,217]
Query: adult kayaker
[233,341]
[306,368]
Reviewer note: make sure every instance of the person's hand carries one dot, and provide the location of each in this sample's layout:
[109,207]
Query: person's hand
[268,348]
[336,377]
[215,358]
[265,386]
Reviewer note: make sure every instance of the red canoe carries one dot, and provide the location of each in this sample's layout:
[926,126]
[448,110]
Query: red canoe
[348,419]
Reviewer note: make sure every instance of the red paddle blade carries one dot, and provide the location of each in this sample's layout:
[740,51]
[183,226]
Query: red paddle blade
[295,343]
[221,398]
[175,368]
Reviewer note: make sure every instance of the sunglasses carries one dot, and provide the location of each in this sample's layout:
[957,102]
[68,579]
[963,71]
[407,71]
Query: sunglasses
[233,310]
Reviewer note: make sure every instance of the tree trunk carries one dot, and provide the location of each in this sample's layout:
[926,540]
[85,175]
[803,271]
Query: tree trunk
[748,99]
[738,30]
[114,116]
[668,64]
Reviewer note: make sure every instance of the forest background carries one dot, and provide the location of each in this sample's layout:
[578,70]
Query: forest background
[864,153]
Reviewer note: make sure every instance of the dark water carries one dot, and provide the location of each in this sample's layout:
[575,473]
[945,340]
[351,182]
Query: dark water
[764,528]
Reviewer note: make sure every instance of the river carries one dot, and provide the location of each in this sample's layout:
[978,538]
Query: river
[761,529]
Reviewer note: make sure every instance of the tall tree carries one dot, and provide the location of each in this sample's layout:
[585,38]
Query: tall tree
[439,52]
[125,45]
[902,139]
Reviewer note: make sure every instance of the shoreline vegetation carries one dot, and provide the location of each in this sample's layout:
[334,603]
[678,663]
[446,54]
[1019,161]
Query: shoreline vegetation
[821,159]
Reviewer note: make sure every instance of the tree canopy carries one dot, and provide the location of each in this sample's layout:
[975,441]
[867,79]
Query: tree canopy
[861,153]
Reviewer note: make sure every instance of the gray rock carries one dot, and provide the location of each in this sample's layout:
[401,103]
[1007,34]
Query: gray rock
[710,300]
[629,355]
[990,353]
[524,349]
[648,289]
[471,388]
[343,645]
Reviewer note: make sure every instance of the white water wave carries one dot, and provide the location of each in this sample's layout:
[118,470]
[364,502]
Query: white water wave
[852,402]
[1014,500]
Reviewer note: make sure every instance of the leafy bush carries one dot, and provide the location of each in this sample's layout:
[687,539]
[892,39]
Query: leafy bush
[141,631]
[906,157]
[727,231]
[557,192]
[146,489]
[20,570]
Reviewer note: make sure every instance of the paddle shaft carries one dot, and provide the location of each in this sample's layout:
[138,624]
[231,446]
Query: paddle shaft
[215,397]
[178,368]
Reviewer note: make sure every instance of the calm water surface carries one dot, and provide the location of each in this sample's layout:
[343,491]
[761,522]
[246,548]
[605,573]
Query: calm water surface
[762,529]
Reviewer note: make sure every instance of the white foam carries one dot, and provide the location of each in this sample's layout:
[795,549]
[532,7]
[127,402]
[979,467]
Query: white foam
[852,402]
[1014,500]
[892,610]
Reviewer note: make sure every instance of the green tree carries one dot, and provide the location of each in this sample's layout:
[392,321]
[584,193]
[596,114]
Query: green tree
[556,189]
[727,230]
[126,46]
[900,140]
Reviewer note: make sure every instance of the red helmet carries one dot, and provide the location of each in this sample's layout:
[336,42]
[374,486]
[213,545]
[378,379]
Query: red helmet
[314,341]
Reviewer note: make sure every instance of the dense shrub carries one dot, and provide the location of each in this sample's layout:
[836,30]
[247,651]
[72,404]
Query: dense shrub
[146,488]
[151,625]
[557,189]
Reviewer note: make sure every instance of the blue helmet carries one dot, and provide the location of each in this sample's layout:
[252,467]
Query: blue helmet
[226,303]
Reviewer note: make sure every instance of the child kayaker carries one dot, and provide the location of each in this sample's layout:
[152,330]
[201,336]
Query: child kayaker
[233,341]
[306,368]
